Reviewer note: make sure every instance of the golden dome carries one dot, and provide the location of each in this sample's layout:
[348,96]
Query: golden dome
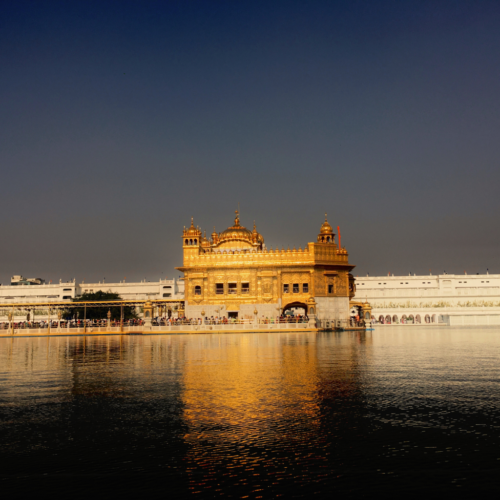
[236,231]
[326,233]
[326,228]
[239,232]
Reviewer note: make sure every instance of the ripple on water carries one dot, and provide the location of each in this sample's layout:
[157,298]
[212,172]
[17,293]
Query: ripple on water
[254,415]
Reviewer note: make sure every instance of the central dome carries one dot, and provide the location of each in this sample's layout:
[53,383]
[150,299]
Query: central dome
[239,233]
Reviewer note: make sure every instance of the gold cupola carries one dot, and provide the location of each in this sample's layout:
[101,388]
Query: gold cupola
[192,235]
[326,234]
[239,237]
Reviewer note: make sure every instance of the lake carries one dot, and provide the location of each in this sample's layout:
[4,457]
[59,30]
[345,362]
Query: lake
[395,411]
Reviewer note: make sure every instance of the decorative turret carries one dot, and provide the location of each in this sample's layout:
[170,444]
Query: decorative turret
[215,237]
[204,241]
[256,237]
[326,234]
[192,235]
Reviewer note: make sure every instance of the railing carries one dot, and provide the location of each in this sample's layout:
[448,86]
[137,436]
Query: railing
[191,326]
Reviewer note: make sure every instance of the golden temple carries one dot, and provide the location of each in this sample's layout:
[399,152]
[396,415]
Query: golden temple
[233,274]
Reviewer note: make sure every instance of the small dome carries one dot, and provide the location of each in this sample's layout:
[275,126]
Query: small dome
[326,233]
[204,242]
[326,228]
[192,231]
[256,237]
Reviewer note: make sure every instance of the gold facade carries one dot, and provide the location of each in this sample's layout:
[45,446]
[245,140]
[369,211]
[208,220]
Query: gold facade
[235,269]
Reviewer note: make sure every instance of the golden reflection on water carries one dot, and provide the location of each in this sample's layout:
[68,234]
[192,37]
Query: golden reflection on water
[266,406]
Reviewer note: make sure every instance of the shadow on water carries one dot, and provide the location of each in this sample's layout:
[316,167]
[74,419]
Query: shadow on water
[257,415]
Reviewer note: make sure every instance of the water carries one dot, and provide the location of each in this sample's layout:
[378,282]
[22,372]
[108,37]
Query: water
[398,411]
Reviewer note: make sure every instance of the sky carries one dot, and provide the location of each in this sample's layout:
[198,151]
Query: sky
[121,120]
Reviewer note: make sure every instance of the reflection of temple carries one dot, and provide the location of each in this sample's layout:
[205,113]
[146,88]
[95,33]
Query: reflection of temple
[263,406]
[234,274]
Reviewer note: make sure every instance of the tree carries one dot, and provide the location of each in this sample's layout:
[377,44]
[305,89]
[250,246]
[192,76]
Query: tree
[96,312]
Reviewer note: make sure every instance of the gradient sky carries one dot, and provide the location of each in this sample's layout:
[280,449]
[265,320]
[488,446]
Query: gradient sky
[119,120]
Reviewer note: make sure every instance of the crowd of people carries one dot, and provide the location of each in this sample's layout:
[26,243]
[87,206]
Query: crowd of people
[157,321]
[357,322]
[70,323]
[223,320]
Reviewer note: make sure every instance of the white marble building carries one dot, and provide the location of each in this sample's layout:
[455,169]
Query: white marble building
[56,292]
[62,291]
[432,299]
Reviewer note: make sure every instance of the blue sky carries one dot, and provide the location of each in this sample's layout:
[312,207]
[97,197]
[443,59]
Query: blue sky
[121,120]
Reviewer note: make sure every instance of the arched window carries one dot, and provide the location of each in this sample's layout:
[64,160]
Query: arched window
[418,319]
[186,242]
[403,319]
[410,318]
[195,241]
[190,242]
[433,318]
[381,319]
[388,319]
[427,318]
[197,290]
[328,239]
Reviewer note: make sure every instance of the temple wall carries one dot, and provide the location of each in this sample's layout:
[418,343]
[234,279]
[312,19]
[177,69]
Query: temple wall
[245,311]
[332,307]
[266,310]
[194,311]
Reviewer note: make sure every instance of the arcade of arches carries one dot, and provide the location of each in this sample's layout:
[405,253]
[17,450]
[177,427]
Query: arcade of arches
[404,319]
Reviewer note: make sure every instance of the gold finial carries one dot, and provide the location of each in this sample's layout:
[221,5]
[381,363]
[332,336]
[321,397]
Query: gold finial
[326,220]
[192,223]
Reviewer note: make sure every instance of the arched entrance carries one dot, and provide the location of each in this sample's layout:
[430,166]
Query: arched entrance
[295,308]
